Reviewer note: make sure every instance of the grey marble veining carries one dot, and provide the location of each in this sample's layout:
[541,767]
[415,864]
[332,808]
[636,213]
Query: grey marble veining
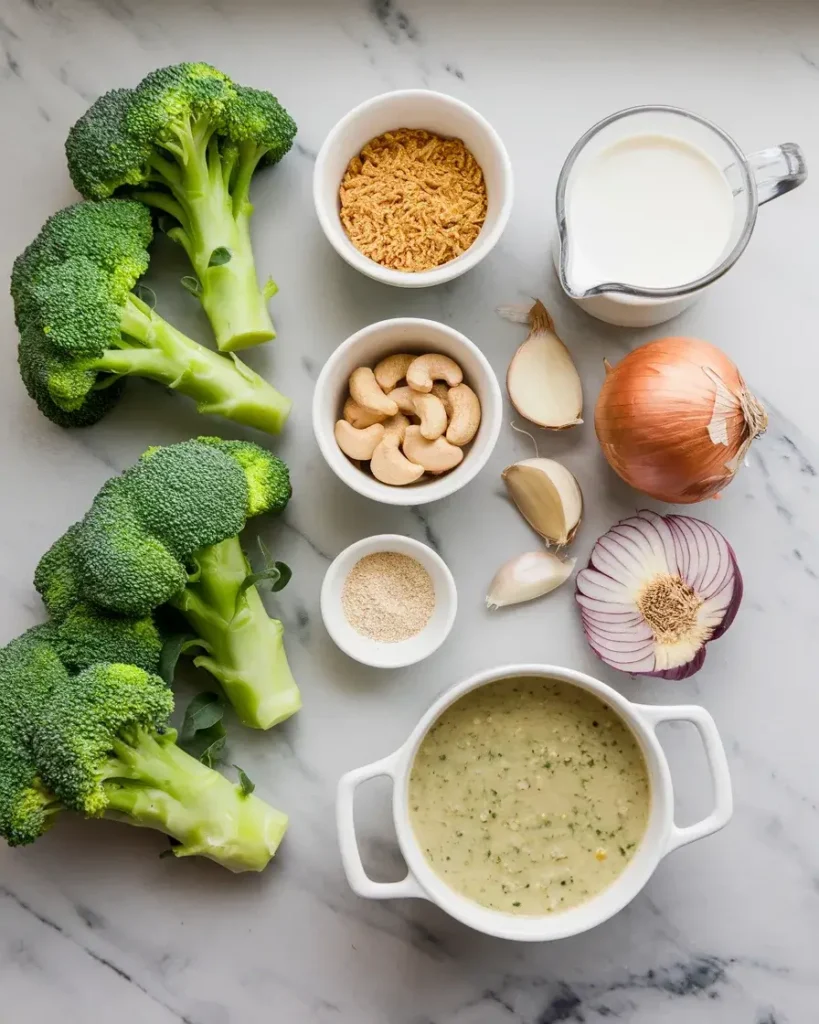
[93,925]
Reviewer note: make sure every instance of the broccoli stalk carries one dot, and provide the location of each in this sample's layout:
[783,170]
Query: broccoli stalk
[83,330]
[151,782]
[187,141]
[213,227]
[220,386]
[244,648]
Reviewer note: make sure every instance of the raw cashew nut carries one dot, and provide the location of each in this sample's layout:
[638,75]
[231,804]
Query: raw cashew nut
[465,415]
[436,456]
[404,398]
[423,370]
[431,412]
[388,464]
[396,426]
[360,417]
[392,369]
[358,444]
[440,390]
[429,409]
[365,391]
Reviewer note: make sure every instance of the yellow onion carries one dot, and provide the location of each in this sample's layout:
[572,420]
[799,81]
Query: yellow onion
[675,419]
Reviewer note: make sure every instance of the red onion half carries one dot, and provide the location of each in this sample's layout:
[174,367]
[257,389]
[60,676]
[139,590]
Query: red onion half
[656,590]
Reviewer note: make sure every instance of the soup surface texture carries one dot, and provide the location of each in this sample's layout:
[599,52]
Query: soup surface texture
[529,796]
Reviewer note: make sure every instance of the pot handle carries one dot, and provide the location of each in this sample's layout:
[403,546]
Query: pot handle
[717,763]
[360,882]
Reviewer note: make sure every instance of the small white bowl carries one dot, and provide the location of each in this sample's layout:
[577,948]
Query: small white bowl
[373,652]
[366,348]
[413,108]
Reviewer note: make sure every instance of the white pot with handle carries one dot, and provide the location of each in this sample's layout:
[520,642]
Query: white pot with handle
[661,837]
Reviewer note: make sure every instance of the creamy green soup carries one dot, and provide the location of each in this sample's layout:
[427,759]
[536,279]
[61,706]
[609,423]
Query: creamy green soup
[529,796]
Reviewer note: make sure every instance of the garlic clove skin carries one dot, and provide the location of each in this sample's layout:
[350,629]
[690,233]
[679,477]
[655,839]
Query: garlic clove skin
[543,383]
[547,496]
[526,577]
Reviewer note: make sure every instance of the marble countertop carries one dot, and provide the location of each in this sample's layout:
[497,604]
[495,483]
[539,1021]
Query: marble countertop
[93,925]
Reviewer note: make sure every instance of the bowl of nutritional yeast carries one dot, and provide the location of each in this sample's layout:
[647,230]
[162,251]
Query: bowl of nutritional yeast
[388,601]
[533,802]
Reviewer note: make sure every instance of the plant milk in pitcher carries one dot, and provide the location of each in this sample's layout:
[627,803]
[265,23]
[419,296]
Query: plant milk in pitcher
[651,210]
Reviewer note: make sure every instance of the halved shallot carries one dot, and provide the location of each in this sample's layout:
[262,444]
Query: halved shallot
[657,589]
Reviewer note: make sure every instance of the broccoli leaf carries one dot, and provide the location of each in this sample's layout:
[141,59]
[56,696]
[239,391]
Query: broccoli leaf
[220,256]
[203,712]
[191,284]
[173,648]
[246,784]
[212,753]
[202,734]
[276,574]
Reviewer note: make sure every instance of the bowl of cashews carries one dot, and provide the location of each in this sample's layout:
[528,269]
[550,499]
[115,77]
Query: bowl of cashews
[407,411]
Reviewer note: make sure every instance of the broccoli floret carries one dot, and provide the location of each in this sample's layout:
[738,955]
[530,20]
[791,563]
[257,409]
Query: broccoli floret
[29,672]
[55,577]
[87,635]
[187,141]
[266,477]
[98,742]
[83,330]
[166,532]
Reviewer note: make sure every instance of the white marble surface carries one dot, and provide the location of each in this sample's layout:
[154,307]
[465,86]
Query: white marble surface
[92,924]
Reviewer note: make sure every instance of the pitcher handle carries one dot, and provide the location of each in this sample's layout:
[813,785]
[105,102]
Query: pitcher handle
[777,170]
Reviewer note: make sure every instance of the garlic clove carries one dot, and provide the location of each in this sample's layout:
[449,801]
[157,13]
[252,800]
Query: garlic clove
[526,577]
[547,496]
[543,383]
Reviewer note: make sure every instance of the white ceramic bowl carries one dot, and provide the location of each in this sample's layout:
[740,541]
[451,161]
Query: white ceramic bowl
[366,348]
[661,837]
[373,652]
[413,108]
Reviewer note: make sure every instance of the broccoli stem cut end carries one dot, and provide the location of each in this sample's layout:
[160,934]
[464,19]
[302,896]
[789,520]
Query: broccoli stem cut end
[245,647]
[153,783]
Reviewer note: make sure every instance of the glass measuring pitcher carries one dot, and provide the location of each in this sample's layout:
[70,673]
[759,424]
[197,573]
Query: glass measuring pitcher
[749,181]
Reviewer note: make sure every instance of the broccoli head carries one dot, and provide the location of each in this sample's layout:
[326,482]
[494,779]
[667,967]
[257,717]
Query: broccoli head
[98,742]
[83,329]
[187,141]
[166,532]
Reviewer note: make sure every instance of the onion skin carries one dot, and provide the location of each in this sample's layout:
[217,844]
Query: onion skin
[653,415]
